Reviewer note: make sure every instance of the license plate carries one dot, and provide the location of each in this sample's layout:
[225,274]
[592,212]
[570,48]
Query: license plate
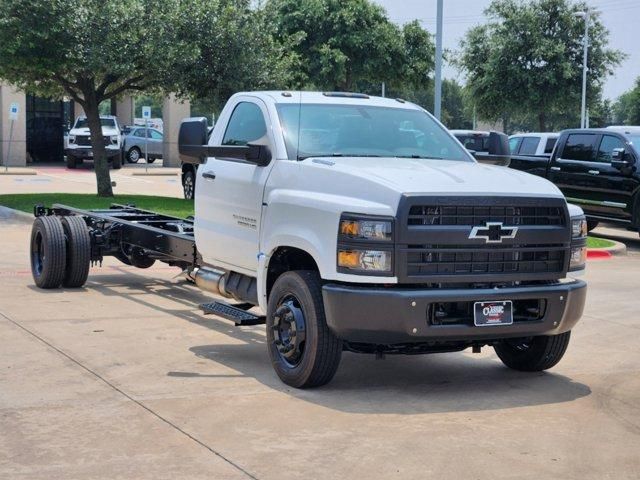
[493,313]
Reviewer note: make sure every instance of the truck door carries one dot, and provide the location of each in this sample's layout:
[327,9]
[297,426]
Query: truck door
[229,194]
[583,172]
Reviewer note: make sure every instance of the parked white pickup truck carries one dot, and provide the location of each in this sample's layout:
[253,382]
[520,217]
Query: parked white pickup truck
[78,145]
[354,223]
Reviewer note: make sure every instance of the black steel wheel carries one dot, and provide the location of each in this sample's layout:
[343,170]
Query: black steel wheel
[533,354]
[78,251]
[303,351]
[71,162]
[189,185]
[134,155]
[48,252]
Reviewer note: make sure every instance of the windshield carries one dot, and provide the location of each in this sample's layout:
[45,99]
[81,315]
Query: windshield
[329,130]
[104,122]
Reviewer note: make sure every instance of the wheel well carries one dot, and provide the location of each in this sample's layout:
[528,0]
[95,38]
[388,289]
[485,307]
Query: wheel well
[285,259]
[188,167]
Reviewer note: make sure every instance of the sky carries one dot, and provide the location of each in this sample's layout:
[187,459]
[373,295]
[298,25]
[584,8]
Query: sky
[620,17]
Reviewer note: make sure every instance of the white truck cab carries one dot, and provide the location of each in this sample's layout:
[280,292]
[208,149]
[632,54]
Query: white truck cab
[361,223]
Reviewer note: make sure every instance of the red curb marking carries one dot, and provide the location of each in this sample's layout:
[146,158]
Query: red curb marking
[598,254]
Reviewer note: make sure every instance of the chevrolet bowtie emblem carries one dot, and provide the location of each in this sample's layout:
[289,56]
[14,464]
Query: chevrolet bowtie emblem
[493,232]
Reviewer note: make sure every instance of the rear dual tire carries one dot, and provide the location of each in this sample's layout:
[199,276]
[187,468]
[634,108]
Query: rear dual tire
[60,252]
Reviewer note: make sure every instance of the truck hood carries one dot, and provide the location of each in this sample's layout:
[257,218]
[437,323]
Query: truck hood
[85,131]
[406,175]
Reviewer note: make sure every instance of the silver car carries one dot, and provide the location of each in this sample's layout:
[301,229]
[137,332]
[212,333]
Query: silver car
[133,144]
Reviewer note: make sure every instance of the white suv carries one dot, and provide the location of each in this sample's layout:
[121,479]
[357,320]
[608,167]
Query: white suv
[79,143]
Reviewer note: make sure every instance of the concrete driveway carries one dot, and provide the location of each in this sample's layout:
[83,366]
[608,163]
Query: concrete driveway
[127,379]
[58,178]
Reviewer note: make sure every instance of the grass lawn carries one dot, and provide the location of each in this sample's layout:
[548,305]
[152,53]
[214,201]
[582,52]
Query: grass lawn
[594,242]
[176,207]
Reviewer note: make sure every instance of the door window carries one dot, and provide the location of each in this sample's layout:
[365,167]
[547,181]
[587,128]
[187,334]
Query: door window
[529,145]
[580,146]
[246,125]
[548,147]
[139,133]
[514,143]
[608,143]
[155,135]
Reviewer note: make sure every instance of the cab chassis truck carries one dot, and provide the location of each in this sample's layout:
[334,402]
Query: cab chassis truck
[353,223]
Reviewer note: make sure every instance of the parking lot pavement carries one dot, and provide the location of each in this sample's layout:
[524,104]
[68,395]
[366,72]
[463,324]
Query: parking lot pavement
[126,379]
[613,232]
[57,178]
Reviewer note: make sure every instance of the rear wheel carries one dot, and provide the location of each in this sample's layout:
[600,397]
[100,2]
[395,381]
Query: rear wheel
[48,252]
[304,352]
[151,159]
[71,162]
[533,354]
[133,155]
[78,251]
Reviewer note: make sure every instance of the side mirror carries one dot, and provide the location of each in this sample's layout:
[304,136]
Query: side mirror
[192,146]
[498,151]
[621,159]
[192,137]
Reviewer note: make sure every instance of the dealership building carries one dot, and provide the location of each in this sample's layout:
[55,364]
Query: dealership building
[37,135]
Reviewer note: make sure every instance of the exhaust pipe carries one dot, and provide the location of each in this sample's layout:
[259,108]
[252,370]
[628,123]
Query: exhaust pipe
[210,280]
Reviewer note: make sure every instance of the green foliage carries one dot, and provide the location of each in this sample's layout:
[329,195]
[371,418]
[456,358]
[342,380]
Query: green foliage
[626,109]
[350,45]
[176,207]
[527,60]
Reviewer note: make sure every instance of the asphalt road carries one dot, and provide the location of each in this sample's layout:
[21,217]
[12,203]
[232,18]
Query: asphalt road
[127,379]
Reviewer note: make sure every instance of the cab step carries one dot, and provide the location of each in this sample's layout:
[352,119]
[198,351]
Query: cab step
[237,313]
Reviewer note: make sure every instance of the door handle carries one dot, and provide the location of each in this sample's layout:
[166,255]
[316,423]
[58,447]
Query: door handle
[555,169]
[594,172]
[209,175]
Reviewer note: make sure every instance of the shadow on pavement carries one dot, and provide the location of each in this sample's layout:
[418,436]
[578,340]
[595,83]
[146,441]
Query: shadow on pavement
[452,382]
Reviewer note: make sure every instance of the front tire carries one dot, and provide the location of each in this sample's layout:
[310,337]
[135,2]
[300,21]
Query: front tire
[533,354]
[303,351]
[116,163]
[71,162]
[133,155]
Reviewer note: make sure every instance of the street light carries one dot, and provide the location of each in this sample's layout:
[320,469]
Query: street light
[583,109]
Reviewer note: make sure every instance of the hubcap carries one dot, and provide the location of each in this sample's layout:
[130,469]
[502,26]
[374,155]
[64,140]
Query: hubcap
[188,187]
[37,254]
[289,330]
[134,156]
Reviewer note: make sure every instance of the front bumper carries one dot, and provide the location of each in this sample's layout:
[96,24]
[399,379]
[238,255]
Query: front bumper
[392,315]
[88,153]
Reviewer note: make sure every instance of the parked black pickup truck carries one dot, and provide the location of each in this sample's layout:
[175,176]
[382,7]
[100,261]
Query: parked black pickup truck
[596,169]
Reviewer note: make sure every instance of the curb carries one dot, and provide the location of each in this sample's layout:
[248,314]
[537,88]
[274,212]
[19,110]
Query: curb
[153,174]
[618,249]
[14,171]
[7,213]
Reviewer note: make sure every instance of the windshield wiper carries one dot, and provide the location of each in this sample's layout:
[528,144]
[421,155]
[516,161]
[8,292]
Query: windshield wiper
[338,154]
[419,156]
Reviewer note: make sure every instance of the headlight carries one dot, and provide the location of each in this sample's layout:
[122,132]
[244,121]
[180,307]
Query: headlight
[114,139]
[365,229]
[578,227]
[365,260]
[72,139]
[578,258]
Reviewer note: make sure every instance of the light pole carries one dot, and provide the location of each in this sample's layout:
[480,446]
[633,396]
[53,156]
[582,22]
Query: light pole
[437,101]
[583,109]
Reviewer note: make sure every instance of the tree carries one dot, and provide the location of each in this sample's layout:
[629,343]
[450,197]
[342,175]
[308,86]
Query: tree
[527,60]
[93,51]
[351,45]
[237,52]
[626,109]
